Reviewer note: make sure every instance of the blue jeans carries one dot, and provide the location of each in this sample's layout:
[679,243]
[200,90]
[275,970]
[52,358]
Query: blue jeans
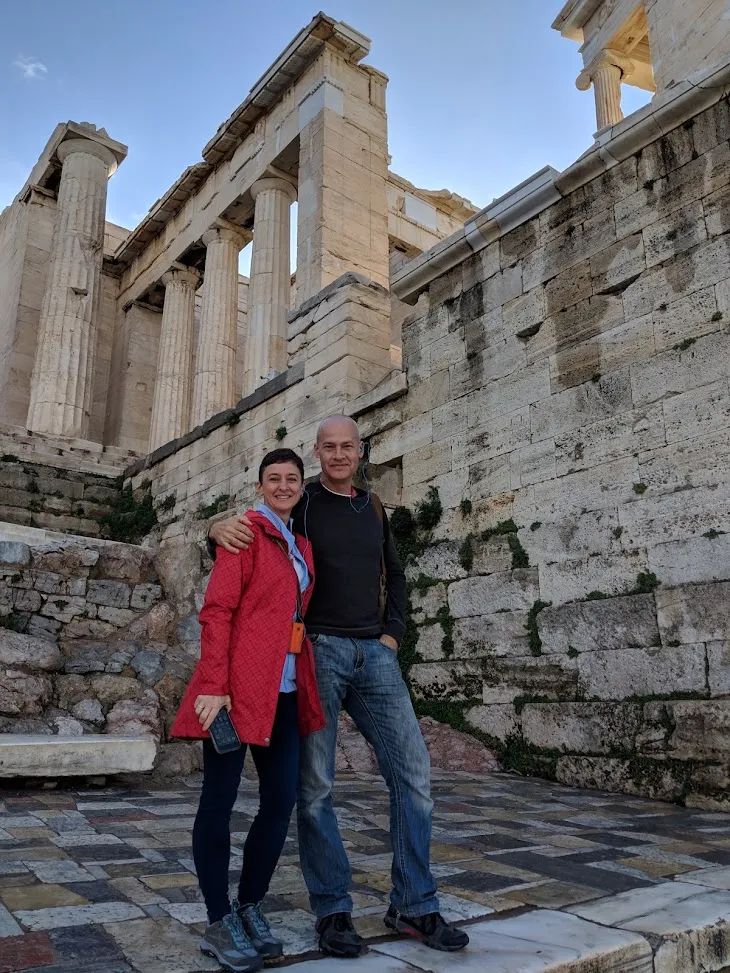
[363,676]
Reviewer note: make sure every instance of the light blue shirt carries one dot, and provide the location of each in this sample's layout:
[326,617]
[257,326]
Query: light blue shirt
[289,673]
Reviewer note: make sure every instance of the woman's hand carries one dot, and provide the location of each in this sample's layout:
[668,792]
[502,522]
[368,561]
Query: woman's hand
[208,707]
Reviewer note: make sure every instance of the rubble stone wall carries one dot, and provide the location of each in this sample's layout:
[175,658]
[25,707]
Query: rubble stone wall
[569,400]
[89,642]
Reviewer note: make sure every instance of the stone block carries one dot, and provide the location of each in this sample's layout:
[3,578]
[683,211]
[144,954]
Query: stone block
[694,560]
[623,776]
[572,580]
[118,617]
[689,317]
[109,689]
[492,556]
[584,533]
[14,552]
[114,594]
[582,405]
[29,652]
[22,694]
[86,655]
[681,230]
[701,729]
[698,412]
[134,717]
[613,267]
[63,608]
[429,644]
[27,601]
[124,562]
[145,595]
[507,591]
[694,613]
[569,288]
[439,561]
[68,561]
[623,674]
[548,677]
[585,728]
[601,625]
[503,633]
[452,681]
[60,756]
[88,710]
[427,601]
[680,370]
[718,668]
[498,721]
[610,439]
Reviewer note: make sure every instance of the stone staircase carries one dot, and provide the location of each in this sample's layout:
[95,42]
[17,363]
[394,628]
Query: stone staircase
[65,485]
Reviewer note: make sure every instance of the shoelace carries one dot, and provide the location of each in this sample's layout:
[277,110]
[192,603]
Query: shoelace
[258,921]
[238,933]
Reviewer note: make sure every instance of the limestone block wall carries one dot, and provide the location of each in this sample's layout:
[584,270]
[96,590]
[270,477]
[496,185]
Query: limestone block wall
[568,398]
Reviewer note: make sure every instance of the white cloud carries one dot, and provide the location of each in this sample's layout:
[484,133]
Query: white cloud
[30,68]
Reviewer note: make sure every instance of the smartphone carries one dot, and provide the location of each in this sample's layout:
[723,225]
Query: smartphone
[223,733]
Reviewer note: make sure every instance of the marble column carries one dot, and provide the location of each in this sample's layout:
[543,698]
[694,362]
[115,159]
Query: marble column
[62,380]
[270,289]
[606,73]
[214,388]
[173,383]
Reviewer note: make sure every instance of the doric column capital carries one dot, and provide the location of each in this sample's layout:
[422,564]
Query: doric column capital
[185,276]
[269,183]
[87,147]
[227,234]
[607,59]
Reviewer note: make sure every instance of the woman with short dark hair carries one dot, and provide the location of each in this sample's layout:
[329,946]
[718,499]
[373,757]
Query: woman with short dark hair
[257,665]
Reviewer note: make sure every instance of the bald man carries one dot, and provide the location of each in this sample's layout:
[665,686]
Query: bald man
[355,647]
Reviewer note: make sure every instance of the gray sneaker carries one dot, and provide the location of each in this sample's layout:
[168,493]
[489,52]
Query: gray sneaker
[259,930]
[227,942]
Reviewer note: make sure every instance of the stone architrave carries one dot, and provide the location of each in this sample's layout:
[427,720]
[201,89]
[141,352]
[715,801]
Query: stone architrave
[62,380]
[173,385]
[605,73]
[270,287]
[215,373]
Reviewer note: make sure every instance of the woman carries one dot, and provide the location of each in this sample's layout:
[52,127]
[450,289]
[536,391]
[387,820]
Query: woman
[250,621]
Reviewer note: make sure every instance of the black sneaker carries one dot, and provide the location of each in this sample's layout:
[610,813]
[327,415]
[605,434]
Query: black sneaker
[338,936]
[432,930]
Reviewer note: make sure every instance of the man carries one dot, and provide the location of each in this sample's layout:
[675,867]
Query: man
[357,668]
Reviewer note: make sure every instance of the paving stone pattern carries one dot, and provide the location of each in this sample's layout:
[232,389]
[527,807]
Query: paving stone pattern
[102,880]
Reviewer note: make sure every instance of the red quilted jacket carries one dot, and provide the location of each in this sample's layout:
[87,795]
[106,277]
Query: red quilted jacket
[246,624]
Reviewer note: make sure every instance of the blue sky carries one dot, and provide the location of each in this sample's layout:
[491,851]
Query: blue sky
[482,92]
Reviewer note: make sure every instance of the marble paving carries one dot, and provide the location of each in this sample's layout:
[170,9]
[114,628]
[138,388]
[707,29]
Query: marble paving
[102,881]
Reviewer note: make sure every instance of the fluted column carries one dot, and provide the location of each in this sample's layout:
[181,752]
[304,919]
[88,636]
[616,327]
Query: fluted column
[215,373]
[173,384]
[270,288]
[606,73]
[62,380]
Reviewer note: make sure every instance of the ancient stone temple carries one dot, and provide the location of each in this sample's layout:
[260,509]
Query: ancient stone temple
[542,385]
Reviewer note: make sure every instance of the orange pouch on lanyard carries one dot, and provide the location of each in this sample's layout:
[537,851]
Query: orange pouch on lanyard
[297,637]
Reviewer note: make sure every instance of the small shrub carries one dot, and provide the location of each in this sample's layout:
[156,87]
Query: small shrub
[596,596]
[535,525]
[466,553]
[429,510]
[216,506]
[533,635]
[519,554]
[717,316]
[465,507]
[9,458]
[168,503]
[640,488]
[280,433]
[684,345]
[128,519]
[646,582]
[503,527]
[711,534]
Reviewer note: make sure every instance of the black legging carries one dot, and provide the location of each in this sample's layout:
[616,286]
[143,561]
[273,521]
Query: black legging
[278,770]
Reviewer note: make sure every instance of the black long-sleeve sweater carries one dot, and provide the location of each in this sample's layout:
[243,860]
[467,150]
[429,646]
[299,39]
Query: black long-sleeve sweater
[351,542]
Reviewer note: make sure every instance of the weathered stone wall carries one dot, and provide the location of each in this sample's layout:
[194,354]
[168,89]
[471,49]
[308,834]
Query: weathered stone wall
[89,643]
[568,398]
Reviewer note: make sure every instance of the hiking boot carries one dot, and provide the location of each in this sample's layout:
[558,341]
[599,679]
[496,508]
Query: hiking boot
[432,930]
[227,942]
[338,936]
[259,931]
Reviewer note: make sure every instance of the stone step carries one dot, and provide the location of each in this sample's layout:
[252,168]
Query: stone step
[90,755]
[72,454]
